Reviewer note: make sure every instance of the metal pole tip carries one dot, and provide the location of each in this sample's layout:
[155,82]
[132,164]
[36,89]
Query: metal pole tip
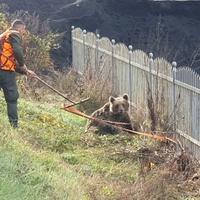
[113,41]
[174,64]
[151,55]
[130,47]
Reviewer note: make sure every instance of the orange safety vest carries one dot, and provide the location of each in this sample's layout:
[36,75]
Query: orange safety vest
[7,59]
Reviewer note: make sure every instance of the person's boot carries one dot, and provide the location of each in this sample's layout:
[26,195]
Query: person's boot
[12,114]
[14,124]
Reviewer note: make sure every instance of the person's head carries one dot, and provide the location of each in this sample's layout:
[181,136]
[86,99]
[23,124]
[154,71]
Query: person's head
[19,26]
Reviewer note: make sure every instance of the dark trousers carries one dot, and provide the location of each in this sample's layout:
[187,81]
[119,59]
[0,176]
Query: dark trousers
[9,86]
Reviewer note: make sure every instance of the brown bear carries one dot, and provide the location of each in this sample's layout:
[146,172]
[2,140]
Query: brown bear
[117,110]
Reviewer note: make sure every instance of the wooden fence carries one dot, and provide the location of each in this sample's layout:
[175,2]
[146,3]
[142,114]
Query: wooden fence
[175,91]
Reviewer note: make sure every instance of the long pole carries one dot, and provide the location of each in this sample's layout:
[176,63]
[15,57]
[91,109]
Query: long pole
[59,93]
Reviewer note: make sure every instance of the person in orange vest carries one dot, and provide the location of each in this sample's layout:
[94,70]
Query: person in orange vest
[12,61]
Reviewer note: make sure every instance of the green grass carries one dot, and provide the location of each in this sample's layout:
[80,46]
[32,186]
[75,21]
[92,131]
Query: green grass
[29,171]
[49,157]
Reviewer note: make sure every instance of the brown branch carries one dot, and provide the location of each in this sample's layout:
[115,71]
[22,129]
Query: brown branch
[115,125]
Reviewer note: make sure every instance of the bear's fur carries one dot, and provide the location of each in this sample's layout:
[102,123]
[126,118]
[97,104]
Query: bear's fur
[117,110]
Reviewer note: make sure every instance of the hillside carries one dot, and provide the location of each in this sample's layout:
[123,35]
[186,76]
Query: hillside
[168,29]
[50,157]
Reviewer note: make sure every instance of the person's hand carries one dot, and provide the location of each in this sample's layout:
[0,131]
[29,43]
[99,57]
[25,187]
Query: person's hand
[30,73]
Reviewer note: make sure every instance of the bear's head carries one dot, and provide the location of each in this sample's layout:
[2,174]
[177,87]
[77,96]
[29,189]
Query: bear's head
[119,105]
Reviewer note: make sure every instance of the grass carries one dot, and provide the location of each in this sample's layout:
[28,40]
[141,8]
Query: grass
[28,171]
[49,157]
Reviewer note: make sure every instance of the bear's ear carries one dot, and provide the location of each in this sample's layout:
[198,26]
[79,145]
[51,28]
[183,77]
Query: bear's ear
[111,99]
[125,96]
[106,107]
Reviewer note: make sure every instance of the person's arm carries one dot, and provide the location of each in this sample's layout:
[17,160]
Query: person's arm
[21,68]
[16,43]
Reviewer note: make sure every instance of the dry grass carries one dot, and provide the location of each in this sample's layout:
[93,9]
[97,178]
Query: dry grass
[169,175]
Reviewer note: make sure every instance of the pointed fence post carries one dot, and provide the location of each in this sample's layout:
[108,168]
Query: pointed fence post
[73,64]
[150,72]
[130,73]
[84,49]
[174,65]
[113,66]
[97,53]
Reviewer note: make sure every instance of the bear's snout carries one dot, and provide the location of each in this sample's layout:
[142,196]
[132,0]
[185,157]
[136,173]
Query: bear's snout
[121,111]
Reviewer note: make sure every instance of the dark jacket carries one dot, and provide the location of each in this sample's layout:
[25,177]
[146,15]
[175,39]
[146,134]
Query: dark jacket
[16,42]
